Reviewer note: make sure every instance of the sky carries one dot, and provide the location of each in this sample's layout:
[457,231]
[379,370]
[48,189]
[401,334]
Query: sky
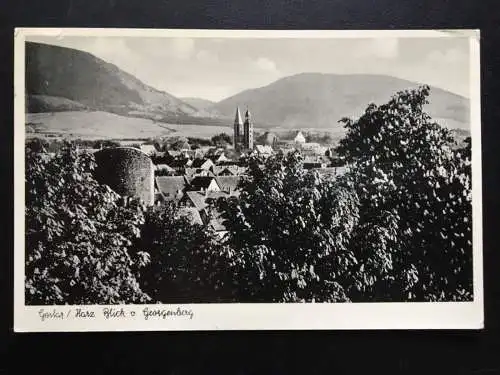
[216,68]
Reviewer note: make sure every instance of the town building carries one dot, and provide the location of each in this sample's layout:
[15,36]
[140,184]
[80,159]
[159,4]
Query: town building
[148,149]
[243,141]
[170,188]
[299,138]
[264,150]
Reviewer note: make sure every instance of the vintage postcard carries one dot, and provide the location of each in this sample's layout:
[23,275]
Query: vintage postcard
[247,180]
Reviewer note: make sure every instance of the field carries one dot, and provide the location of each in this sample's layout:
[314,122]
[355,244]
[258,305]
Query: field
[104,125]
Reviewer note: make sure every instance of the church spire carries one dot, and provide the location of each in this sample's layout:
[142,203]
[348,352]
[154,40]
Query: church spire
[237,118]
[237,124]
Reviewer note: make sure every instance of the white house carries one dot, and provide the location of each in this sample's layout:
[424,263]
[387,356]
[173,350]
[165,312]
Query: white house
[264,150]
[148,149]
[299,138]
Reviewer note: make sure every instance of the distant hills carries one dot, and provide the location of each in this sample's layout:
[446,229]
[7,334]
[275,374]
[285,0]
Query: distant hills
[198,103]
[314,100]
[62,79]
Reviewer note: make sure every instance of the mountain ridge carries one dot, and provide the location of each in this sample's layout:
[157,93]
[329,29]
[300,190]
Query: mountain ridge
[54,71]
[198,103]
[319,100]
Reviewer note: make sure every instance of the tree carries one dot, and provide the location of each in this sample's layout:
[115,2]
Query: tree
[290,230]
[188,264]
[198,142]
[221,140]
[78,237]
[414,188]
[106,143]
[177,144]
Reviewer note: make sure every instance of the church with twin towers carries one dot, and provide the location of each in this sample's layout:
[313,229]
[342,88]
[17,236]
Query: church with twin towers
[243,141]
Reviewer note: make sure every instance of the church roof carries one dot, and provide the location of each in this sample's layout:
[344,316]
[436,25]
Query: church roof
[237,117]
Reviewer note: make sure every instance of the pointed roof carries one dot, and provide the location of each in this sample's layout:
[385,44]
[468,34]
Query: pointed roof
[202,182]
[192,213]
[247,115]
[237,117]
[197,199]
[169,186]
[228,183]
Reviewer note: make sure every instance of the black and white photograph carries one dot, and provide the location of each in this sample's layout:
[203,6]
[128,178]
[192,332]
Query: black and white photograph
[209,179]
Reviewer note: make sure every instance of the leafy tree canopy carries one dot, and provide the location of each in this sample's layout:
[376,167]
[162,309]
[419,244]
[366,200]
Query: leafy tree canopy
[406,165]
[188,263]
[77,235]
[221,140]
[290,230]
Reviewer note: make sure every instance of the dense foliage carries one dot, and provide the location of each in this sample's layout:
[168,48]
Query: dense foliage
[291,230]
[187,262]
[77,234]
[221,140]
[407,168]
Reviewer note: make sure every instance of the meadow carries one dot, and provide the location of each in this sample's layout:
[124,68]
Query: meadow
[105,125]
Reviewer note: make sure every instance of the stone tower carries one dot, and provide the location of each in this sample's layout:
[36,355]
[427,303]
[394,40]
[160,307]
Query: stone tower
[126,170]
[238,123]
[248,131]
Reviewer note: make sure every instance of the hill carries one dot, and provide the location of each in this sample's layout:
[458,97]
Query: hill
[106,125]
[198,103]
[59,78]
[46,103]
[314,100]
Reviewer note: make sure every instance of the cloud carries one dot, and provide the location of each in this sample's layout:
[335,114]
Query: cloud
[109,49]
[206,56]
[162,48]
[449,56]
[268,65]
[182,48]
[383,48]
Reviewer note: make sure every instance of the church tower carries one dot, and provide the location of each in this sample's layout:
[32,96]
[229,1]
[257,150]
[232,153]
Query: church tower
[237,124]
[248,131]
